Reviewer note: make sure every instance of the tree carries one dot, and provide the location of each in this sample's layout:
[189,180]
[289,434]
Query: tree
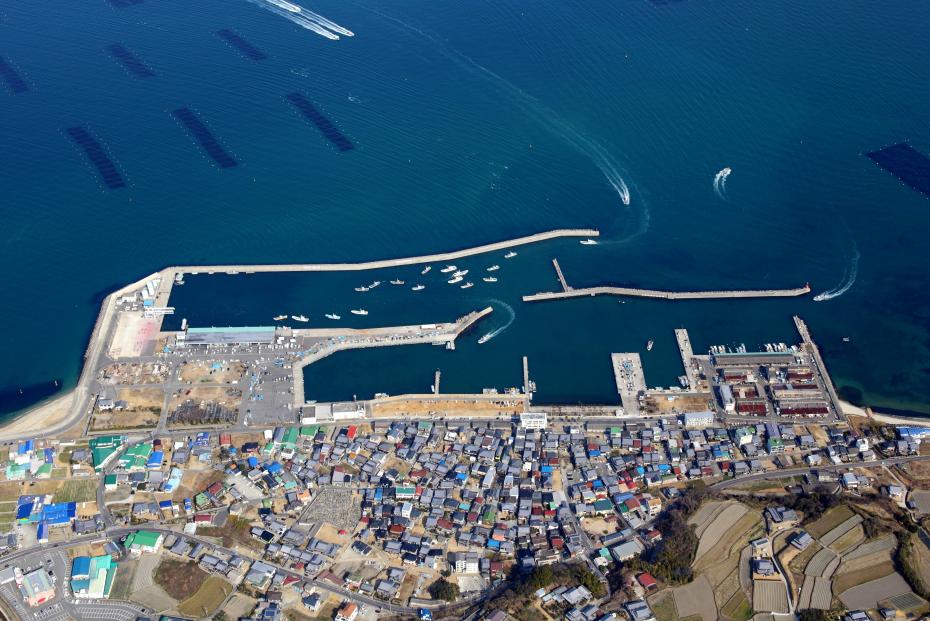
[812,614]
[444,590]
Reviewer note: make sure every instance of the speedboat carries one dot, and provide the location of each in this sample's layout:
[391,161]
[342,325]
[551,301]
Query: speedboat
[333,316]
[455,280]
[494,268]
[361,289]
[360,311]
[301,318]
[468,285]
[426,269]
[448,268]
[489,279]
[510,255]
[280,317]
[374,284]
[418,288]
[460,273]
[487,337]
[397,281]
[588,242]
[845,339]
[649,345]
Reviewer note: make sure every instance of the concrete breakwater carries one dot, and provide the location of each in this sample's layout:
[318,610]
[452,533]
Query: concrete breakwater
[666,295]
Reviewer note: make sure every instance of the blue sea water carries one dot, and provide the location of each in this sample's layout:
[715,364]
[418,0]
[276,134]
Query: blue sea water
[474,122]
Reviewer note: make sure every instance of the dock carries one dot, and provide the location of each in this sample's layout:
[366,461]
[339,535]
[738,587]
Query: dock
[631,382]
[687,356]
[558,271]
[527,389]
[436,377]
[341,339]
[821,367]
[666,295]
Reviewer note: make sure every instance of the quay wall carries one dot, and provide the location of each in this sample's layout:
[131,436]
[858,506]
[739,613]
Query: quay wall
[666,295]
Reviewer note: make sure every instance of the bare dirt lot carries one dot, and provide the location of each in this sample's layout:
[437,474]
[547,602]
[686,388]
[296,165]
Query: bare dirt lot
[696,598]
[202,371]
[143,410]
[135,373]
[449,407]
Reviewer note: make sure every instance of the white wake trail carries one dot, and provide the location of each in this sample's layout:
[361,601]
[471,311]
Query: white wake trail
[303,18]
[849,278]
[511,316]
[720,182]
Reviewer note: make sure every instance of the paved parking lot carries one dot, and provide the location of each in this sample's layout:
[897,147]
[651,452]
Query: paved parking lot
[113,611]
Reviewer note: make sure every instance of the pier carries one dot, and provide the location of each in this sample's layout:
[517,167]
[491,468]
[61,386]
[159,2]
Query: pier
[558,271]
[666,295]
[687,356]
[341,339]
[631,382]
[374,265]
[436,377]
[821,367]
[527,389]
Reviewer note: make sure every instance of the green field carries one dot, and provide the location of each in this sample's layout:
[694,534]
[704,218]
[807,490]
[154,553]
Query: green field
[830,520]
[77,490]
[663,607]
[207,598]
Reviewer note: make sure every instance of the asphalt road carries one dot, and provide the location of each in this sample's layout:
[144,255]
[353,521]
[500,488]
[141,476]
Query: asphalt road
[790,472]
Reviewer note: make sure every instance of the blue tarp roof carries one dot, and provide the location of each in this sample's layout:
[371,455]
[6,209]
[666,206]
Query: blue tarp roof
[165,504]
[80,567]
[273,468]
[42,532]
[24,511]
[155,459]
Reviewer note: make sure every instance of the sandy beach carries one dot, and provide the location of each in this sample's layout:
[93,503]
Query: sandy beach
[41,417]
[852,410]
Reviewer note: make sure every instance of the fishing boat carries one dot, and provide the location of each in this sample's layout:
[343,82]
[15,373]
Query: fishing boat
[361,289]
[487,337]
[333,316]
[494,268]
[426,269]
[460,273]
[454,280]
[510,255]
[588,242]
[448,268]
[417,288]
[489,279]
[397,281]
[280,317]
[359,311]
[374,284]
[649,345]
[301,318]
[845,339]
[179,278]
[468,285]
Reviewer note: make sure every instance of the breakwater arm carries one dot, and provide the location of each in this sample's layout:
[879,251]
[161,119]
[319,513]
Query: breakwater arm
[667,295]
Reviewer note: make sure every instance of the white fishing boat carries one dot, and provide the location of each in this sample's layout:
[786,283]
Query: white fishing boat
[588,242]
[845,339]
[374,284]
[448,268]
[460,273]
[417,288]
[280,317]
[361,289]
[489,279]
[454,280]
[359,311]
[510,255]
[397,281]
[426,269]
[333,316]
[487,337]
[494,268]
[468,285]
[649,345]
[301,318]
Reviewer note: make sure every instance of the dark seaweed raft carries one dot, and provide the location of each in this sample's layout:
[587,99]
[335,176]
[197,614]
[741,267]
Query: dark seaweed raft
[129,60]
[245,48]
[322,123]
[97,156]
[204,137]
[907,164]
[13,80]
[122,4]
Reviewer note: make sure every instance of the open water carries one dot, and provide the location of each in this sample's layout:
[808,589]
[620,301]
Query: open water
[471,122]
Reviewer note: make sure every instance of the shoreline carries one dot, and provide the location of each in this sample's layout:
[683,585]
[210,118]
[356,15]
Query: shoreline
[42,415]
[853,410]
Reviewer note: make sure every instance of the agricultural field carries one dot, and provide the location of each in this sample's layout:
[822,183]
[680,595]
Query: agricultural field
[829,520]
[181,580]
[76,490]
[867,594]
[696,599]
[663,606]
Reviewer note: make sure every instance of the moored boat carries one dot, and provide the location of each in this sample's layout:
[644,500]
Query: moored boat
[494,268]
[489,279]
[397,281]
[301,318]
[426,269]
[448,268]
[361,289]
[454,280]
[280,317]
[359,311]
[417,288]
[468,285]
[333,316]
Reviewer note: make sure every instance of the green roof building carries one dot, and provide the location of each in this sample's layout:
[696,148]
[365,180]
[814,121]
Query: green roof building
[143,541]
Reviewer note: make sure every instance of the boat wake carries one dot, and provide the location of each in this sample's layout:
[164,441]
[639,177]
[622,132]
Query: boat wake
[511,316]
[305,18]
[849,278]
[720,182]
[545,116]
